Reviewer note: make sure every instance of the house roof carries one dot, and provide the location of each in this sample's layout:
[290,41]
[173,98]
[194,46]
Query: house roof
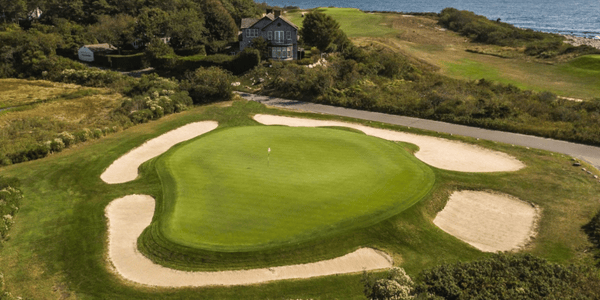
[288,21]
[249,22]
[282,19]
[100,47]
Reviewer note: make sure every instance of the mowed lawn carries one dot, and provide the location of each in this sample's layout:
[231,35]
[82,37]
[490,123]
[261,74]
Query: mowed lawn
[226,192]
[353,22]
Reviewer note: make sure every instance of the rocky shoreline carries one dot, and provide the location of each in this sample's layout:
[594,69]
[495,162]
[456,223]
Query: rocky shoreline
[578,41]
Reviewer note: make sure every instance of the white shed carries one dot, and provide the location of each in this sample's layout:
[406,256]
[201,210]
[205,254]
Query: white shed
[86,53]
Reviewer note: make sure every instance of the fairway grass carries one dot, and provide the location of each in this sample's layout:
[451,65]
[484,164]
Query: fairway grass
[226,192]
[354,22]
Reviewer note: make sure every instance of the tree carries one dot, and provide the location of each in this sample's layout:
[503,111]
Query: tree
[12,10]
[324,32]
[261,45]
[116,30]
[152,23]
[239,9]
[220,25]
[187,28]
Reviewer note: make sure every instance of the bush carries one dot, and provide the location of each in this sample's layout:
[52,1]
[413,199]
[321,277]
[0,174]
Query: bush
[91,77]
[508,276]
[57,145]
[209,84]
[83,135]
[67,138]
[141,116]
[244,61]
[397,285]
[10,201]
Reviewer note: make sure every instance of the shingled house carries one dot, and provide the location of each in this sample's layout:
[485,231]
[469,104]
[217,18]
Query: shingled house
[280,33]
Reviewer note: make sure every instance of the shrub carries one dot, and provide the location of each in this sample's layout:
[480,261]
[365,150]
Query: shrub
[396,285]
[91,77]
[83,135]
[244,61]
[208,85]
[141,116]
[508,276]
[57,145]
[67,138]
[96,133]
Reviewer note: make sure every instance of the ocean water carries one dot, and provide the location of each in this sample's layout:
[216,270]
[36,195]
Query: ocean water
[575,17]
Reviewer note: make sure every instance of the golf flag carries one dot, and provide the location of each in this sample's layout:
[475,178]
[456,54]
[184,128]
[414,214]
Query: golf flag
[269,150]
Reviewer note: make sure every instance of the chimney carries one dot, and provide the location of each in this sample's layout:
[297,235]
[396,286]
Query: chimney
[277,13]
[269,11]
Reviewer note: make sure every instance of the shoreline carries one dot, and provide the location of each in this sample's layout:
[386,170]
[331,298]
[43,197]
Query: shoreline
[579,41]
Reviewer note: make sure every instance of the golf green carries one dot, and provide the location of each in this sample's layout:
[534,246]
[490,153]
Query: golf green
[226,192]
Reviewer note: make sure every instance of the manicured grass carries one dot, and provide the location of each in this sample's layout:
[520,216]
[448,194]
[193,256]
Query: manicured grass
[353,22]
[57,245]
[474,70]
[234,196]
[587,62]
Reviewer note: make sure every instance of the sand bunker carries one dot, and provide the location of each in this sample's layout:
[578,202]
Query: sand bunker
[437,152]
[128,216]
[488,222]
[126,167]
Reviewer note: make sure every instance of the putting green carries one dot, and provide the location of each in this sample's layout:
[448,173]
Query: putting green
[225,192]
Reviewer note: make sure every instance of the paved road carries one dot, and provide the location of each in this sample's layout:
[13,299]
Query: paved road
[590,154]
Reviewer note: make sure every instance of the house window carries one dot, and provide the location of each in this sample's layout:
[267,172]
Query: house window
[278,36]
[252,33]
[281,52]
[288,35]
[270,35]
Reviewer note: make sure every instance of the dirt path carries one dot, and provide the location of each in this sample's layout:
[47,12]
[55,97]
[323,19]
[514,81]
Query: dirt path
[489,222]
[130,215]
[437,152]
[126,167]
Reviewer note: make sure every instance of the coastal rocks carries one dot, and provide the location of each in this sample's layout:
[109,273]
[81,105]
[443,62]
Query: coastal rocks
[578,41]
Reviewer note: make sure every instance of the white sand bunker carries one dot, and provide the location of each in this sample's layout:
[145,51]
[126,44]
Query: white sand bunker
[128,216]
[437,152]
[126,167]
[488,222]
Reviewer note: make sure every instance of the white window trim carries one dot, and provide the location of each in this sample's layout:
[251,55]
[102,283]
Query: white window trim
[279,36]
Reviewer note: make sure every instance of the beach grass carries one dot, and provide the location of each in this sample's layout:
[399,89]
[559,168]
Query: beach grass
[57,247]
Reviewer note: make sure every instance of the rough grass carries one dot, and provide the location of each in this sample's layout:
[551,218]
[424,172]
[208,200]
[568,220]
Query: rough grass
[45,109]
[57,245]
[315,182]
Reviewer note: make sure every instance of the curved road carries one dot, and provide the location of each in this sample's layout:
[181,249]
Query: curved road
[591,154]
